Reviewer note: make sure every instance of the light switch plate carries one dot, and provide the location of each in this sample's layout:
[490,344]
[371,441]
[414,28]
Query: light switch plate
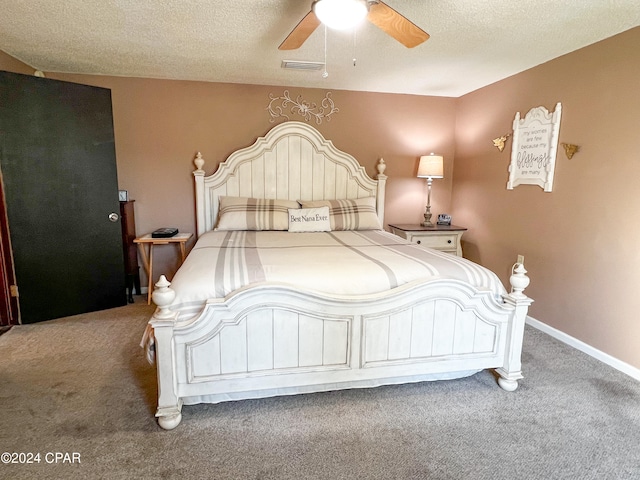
[521,259]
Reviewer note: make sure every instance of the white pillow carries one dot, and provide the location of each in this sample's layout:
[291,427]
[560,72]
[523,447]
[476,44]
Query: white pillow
[309,220]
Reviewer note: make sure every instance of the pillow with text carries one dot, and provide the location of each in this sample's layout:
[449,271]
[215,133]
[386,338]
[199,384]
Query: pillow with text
[309,220]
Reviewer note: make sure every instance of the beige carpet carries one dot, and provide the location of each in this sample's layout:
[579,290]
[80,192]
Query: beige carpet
[81,385]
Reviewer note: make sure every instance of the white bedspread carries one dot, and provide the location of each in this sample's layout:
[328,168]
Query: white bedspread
[340,262]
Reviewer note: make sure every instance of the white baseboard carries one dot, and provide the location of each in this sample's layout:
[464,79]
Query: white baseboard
[583,347]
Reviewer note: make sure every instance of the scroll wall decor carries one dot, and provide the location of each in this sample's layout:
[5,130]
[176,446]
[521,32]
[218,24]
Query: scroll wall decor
[534,148]
[280,107]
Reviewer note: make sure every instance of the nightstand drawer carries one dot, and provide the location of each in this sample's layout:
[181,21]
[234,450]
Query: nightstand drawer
[442,242]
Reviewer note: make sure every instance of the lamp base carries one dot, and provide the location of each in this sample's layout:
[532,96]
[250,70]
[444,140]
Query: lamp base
[427,217]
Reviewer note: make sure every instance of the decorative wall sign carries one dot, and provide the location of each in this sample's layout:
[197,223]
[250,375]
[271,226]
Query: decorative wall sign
[280,106]
[534,148]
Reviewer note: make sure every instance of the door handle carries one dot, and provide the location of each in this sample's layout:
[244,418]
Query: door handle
[114,217]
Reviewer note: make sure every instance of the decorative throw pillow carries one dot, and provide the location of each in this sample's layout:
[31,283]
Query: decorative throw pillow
[242,213]
[309,220]
[351,214]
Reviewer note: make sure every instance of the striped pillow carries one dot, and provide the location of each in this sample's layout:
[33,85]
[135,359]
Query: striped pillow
[352,214]
[241,213]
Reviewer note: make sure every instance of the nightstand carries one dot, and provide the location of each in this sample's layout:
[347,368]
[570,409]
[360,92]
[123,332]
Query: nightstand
[445,238]
[147,260]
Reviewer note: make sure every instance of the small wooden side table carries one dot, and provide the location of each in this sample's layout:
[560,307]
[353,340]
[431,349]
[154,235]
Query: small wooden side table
[147,260]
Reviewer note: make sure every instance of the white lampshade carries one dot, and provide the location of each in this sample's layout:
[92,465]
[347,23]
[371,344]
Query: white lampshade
[431,166]
[340,14]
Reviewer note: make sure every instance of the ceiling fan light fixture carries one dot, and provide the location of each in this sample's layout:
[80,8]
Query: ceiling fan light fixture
[340,14]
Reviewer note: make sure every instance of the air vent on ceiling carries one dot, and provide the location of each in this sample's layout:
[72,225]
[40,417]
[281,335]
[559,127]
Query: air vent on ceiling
[302,65]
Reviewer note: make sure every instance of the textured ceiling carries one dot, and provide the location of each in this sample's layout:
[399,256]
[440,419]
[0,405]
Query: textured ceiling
[473,42]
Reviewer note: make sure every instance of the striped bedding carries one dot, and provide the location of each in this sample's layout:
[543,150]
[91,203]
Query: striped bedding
[337,262]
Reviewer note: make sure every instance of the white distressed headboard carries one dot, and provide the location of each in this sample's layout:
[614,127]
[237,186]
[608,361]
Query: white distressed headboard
[293,161]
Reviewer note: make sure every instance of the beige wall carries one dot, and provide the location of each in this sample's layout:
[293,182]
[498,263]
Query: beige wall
[580,241]
[11,64]
[161,124]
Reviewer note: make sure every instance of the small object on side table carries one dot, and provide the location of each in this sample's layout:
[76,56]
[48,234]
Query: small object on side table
[166,232]
[444,219]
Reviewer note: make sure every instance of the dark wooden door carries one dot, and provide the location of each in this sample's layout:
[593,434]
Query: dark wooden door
[58,165]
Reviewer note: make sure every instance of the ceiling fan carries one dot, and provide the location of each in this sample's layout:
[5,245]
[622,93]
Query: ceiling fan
[347,13]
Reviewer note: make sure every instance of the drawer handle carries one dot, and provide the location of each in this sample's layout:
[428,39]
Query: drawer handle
[448,241]
[418,242]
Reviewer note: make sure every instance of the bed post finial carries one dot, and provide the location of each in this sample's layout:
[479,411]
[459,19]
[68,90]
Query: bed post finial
[163,296]
[199,161]
[519,280]
[382,183]
[198,176]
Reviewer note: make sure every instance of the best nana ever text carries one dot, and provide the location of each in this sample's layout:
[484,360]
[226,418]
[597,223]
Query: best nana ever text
[309,218]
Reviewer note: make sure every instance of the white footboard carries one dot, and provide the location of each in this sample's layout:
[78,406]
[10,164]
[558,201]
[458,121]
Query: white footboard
[271,340]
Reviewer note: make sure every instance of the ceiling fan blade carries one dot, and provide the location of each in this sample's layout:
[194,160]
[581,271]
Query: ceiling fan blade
[300,34]
[391,22]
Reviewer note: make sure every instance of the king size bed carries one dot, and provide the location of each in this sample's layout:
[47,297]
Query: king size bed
[294,287]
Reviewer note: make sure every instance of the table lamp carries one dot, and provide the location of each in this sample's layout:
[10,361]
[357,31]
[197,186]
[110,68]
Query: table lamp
[430,167]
